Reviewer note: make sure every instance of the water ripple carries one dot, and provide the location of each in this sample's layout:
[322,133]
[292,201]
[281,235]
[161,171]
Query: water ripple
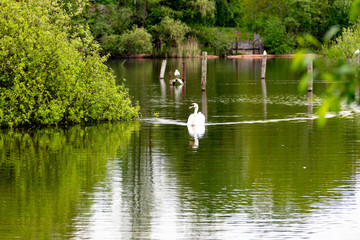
[180,123]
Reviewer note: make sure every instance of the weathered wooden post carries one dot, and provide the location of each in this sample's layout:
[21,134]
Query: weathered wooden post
[310,87]
[357,70]
[203,71]
[162,71]
[184,72]
[310,71]
[263,65]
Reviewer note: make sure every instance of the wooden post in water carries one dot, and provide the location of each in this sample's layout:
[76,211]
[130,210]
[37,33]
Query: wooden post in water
[356,76]
[203,71]
[184,72]
[310,71]
[162,71]
[263,65]
[310,88]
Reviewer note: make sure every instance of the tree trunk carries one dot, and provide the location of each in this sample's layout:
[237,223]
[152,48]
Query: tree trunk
[145,9]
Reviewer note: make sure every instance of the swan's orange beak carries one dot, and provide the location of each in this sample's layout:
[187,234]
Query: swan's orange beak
[191,106]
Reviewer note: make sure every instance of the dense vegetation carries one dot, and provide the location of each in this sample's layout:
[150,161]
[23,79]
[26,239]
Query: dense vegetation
[51,71]
[337,66]
[182,27]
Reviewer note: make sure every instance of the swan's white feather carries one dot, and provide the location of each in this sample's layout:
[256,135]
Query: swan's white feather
[197,118]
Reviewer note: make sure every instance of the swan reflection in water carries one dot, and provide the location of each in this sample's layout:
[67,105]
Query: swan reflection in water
[197,132]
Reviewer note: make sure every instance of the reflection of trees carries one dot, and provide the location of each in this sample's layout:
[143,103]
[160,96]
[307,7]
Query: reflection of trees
[138,186]
[259,171]
[142,79]
[44,173]
[266,171]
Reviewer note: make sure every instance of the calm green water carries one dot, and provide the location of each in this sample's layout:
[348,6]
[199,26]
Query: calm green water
[260,169]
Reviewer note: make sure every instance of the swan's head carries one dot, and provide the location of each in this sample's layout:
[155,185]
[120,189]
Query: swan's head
[194,105]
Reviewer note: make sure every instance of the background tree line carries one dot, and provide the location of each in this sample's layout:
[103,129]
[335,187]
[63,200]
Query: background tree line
[183,27]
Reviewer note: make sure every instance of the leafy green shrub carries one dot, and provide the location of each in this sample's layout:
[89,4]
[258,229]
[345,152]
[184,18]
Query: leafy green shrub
[218,40]
[135,41]
[110,44]
[101,29]
[344,46]
[275,38]
[107,19]
[48,76]
[169,34]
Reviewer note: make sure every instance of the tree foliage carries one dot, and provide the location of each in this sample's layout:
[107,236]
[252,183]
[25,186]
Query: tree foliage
[137,40]
[51,71]
[275,37]
[169,33]
[297,17]
[342,48]
[337,68]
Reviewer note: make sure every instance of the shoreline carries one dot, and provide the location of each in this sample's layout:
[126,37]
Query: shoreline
[249,56]
[261,56]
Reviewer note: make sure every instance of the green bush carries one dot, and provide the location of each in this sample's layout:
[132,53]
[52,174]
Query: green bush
[135,41]
[101,29]
[49,76]
[344,46]
[108,19]
[110,44]
[168,35]
[218,40]
[275,38]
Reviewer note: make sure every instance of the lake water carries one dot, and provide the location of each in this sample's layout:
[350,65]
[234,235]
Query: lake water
[261,168]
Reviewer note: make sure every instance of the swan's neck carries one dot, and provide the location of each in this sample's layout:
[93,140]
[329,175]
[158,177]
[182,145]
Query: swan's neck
[196,110]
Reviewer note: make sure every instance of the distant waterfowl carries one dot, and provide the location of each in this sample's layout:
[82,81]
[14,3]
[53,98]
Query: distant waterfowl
[177,73]
[177,78]
[196,118]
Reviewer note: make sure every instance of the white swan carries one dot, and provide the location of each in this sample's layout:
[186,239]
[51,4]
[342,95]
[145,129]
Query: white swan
[197,118]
